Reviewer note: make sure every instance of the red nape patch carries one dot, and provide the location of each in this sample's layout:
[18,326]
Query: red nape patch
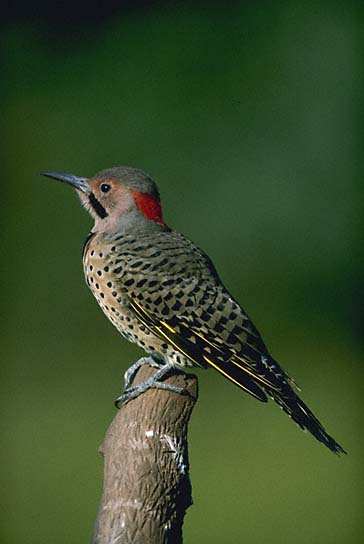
[149,206]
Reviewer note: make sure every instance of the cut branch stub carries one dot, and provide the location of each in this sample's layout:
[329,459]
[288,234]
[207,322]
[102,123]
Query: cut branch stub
[147,487]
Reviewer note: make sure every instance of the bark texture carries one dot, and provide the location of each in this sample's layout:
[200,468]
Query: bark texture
[147,488]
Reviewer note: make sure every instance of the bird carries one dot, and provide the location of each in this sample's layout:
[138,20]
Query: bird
[163,293]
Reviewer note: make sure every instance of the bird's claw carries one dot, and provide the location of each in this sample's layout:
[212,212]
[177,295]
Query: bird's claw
[133,369]
[132,392]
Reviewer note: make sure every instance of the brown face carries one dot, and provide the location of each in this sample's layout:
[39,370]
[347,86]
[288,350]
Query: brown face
[107,197]
[111,196]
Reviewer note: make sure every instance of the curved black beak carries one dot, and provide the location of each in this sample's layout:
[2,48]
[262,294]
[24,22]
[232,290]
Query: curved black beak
[81,184]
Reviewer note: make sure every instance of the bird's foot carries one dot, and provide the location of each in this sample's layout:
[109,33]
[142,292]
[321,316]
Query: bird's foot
[132,392]
[133,369]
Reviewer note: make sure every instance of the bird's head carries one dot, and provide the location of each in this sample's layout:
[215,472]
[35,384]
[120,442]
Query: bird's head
[119,199]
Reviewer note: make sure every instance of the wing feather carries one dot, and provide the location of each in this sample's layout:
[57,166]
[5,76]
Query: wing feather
[196,351]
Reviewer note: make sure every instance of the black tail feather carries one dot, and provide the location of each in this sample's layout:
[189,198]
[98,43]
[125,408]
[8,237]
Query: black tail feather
[303,416]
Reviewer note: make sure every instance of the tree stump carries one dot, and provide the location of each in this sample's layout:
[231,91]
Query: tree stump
[147,488]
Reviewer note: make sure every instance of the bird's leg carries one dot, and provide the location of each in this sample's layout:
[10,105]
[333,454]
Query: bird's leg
[133,369]
[151,383]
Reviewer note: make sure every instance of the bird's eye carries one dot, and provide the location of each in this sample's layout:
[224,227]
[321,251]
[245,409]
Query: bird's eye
[105,187]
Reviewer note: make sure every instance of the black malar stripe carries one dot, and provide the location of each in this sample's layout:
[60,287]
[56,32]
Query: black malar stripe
[97,206]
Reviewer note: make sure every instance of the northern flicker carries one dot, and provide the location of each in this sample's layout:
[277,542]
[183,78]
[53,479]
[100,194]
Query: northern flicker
[163,293]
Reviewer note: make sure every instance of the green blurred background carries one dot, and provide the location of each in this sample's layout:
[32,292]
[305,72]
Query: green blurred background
[246,114]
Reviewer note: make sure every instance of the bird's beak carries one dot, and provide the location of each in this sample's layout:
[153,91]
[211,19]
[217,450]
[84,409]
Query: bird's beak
[81,184]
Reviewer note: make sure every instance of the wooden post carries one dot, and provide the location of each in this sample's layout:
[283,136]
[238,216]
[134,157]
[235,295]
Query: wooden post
[147,488]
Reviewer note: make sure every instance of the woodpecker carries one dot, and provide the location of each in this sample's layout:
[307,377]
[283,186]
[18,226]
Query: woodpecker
[163,293]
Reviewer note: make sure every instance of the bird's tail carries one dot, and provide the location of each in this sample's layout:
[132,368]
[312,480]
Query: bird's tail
[302,415]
